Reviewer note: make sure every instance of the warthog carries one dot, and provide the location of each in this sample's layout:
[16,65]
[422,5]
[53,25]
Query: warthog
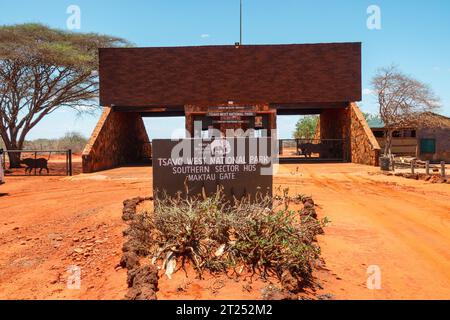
[40,163]
[307,149]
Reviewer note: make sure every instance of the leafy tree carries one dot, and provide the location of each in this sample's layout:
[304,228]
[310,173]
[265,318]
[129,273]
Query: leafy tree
[306,127]
[41,70]
[403,102]
[371,117]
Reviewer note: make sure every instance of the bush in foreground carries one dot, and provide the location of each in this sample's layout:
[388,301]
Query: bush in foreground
[262,237]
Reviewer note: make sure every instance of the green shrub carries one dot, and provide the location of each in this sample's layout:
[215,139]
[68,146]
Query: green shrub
[263,236]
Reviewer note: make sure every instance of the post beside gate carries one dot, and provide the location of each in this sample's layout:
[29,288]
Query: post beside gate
[2,173]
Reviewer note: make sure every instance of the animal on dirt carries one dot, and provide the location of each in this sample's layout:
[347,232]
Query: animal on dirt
[40,163]
[307,149]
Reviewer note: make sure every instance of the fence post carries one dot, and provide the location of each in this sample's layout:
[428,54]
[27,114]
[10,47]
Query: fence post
[2,174]
[70,161]
[427,167]
[35,167]
[413,164]
[443,169]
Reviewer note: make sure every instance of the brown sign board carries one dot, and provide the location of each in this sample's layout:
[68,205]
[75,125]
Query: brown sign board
[231,111]
[241,166]
[231,114]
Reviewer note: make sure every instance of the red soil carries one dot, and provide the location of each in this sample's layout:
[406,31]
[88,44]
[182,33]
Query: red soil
[398,224]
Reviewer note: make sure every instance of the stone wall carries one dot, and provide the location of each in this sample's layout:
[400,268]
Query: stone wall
[349,124]
[118,138]
[364,147]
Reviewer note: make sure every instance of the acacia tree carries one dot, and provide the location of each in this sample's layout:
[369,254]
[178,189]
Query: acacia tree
[305,127]
[42,70]
[403,102]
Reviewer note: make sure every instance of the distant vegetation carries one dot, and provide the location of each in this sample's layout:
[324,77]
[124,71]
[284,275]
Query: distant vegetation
[306,127]
[71,140]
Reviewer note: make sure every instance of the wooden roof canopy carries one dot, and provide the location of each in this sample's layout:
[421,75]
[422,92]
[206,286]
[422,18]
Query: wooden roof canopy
[248,74]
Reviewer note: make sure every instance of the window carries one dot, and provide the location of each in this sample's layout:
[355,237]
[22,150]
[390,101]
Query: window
[378,133]
[427,146]
[409,133]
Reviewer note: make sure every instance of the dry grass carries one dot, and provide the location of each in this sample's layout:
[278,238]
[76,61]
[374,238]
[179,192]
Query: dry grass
[264,236]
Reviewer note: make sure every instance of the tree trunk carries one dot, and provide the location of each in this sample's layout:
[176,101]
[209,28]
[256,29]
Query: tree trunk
[14,160]
[14,157]
[388,143]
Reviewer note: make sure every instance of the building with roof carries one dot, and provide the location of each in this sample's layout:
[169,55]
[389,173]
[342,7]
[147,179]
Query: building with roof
[257,82]
[425,142]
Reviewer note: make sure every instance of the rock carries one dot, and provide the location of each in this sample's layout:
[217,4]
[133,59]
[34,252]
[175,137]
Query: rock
[308,200]
[76,239]
[141,275]
[128,214]
[438,179]
[289,282]
[326,296]
[129,260]
[274,293]
[78,250]
[308,212]
[308,205]
[133,245]
[141,294]
[412,176]
[126,232]
[142,283]
[129,208]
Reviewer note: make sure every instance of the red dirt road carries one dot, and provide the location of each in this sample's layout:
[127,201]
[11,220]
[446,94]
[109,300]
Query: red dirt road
[403,226]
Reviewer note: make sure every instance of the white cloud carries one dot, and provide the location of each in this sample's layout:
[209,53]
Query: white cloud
[205,35]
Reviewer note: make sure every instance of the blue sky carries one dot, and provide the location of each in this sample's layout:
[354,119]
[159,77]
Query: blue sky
[414,35]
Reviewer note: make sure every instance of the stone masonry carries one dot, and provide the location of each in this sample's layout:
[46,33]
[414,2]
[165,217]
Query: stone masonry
[118,138]
[364,147]
[349,124]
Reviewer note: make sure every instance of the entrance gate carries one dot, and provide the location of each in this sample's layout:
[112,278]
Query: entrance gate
[311,150]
